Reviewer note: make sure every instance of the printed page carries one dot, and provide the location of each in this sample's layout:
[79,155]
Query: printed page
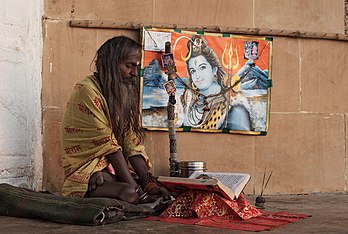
[231,180]
[181,184]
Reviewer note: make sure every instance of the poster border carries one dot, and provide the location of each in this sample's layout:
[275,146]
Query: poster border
[214,34]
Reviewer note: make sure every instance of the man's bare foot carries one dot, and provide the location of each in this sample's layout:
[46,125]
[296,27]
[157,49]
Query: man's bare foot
[98,178]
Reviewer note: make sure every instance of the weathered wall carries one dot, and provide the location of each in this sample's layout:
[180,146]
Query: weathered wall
[306,143]
[20,93]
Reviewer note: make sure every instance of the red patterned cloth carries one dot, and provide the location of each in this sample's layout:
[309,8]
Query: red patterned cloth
[209,209]
[203,204]
[266,222]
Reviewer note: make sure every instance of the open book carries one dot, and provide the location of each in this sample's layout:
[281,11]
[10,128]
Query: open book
[229,185]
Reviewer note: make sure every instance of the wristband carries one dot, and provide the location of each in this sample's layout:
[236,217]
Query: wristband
[145,180]
[150,186]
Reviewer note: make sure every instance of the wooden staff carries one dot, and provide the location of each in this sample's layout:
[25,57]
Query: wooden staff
[173,163]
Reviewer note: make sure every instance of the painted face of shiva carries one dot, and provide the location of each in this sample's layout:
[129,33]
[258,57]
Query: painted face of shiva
[201,72]
[130,68]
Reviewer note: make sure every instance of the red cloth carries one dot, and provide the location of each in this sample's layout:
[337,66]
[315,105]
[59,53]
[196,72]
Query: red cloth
[203,204]
[210,209]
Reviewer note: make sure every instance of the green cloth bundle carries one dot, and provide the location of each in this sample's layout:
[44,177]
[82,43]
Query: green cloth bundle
[21,202]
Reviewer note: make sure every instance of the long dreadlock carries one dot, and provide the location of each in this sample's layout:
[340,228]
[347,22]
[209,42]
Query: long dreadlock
[109,56]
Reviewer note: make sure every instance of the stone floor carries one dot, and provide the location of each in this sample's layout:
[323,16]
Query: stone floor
[329,215]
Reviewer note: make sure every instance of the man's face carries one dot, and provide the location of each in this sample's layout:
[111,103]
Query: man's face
[129,68]
[201,72]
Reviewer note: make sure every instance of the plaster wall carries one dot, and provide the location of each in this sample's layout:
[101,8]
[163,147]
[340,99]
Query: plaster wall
[306,143]
[20,93]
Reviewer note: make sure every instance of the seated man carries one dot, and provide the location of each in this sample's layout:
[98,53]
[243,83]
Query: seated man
[102,138]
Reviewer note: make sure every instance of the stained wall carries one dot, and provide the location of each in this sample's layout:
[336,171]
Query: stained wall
[306,143]
[20,93]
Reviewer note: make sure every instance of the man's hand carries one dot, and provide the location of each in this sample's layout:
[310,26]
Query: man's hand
[161,192]
[149,184]
[154,194]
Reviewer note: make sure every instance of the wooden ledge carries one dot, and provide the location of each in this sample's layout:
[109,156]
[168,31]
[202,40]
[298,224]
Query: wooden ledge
[212,29]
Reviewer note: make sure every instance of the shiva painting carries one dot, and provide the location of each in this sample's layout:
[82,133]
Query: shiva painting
[222,81]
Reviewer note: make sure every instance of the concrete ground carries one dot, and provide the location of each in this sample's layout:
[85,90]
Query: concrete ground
[329,215]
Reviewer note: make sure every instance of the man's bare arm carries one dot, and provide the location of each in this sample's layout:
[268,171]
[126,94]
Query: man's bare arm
[119,163]
[139,165]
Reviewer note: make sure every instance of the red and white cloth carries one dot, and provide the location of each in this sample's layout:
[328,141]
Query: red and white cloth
[203,204]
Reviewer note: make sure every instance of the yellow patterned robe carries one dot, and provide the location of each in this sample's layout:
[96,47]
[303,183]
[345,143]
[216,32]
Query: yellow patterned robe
[87,137]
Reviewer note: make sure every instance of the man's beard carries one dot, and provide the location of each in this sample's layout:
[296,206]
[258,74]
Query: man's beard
[130,94]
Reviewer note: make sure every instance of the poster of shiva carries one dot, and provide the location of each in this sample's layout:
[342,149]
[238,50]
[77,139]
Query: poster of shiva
[221,82]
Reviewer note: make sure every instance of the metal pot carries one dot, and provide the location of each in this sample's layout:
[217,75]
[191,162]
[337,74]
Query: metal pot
[186,168]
